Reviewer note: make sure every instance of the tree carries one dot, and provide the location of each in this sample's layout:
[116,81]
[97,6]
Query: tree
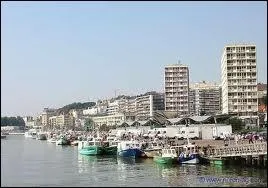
[104,127]
[265,100]
[89,124]
[237,124]
[12,121]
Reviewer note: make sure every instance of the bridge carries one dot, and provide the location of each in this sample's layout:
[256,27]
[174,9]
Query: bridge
[238,150]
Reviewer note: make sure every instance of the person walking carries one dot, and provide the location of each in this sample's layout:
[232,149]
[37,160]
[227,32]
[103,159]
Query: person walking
[236,139]
[250,140]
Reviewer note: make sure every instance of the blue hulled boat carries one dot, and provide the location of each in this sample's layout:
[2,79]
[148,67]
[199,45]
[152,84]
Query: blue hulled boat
[130,149]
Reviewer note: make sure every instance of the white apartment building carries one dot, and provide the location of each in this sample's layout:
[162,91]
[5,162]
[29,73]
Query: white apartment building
[62,121]
[177,89]
[205,98]
[239,80]
[98,109]
[147,104]
[113,107]
[109,120]
[46,114]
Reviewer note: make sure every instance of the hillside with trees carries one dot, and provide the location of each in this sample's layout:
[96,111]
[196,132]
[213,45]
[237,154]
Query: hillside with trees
[12,121]
[75,105]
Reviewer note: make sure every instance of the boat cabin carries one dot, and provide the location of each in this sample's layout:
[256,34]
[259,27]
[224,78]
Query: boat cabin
[187,149]
[129,145]
[168,153]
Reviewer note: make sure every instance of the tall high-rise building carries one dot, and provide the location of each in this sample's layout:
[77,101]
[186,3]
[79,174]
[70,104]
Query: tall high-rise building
[177,89]
[239,80]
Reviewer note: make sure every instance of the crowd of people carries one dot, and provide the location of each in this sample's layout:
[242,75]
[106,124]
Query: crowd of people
[251,138]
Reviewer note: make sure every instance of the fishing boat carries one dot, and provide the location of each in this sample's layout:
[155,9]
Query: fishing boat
[166,156]
[3,136]
[130,149]
[152,149]
[110,146]
[63,141]
[52,138]
[41,136]
[93,146]
[31,133]
[188,154]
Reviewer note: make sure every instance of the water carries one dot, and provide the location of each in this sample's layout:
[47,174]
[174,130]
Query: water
[28,162]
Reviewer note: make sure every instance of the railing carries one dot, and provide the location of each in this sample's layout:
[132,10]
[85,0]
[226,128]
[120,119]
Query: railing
[238,150]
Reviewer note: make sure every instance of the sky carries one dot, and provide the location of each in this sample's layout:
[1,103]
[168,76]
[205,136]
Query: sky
[57,53]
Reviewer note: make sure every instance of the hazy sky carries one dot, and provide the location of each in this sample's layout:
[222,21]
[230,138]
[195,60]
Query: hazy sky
[56,53]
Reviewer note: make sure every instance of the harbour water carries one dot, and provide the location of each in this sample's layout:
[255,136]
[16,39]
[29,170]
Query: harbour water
[28,162]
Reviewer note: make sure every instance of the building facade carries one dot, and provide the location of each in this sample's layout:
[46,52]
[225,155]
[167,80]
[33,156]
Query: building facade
[262,97]
[177,89]
[239,80]
[109,120]
[205,98]
[46,114]
[147,104]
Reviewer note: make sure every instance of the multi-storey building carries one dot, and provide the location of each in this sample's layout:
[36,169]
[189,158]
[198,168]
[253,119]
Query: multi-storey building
[47,113]
[177,89]
[205,98]
[99,108]
[148,103]
[62,121]
[192,101]
[262,96]
[239,80]
[109,120]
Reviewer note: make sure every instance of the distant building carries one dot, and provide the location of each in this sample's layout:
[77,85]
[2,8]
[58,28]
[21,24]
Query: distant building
[99,108]
[76,113]
[147,104]
[62,121]
[46,114]
[177,89]
[109,120]
[29,121]
[239,80]
[204,98]
[262,96]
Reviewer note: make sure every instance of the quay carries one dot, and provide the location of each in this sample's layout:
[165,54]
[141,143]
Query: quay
[249,154]
[16,133]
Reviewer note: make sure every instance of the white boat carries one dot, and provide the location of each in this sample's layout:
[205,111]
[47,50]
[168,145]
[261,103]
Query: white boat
[52,138]
[152,149]
[31,133]
[188,154]
[62,141]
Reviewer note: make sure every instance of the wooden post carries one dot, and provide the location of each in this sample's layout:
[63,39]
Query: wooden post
[249,160]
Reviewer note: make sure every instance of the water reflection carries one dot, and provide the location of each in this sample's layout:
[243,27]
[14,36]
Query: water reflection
[86,163]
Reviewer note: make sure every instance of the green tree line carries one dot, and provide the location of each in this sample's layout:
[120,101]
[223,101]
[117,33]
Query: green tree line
[76,105]
[12,121]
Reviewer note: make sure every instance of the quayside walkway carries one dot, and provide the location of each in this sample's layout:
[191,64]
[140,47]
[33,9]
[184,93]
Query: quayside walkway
[238,150]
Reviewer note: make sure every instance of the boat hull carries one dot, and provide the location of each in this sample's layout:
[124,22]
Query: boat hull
[164,160]
[191,159]
[219,162]
[151,153]
[62,142]
[91,150]
[131,152]
[3,136]
[42,137]
[111,150]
